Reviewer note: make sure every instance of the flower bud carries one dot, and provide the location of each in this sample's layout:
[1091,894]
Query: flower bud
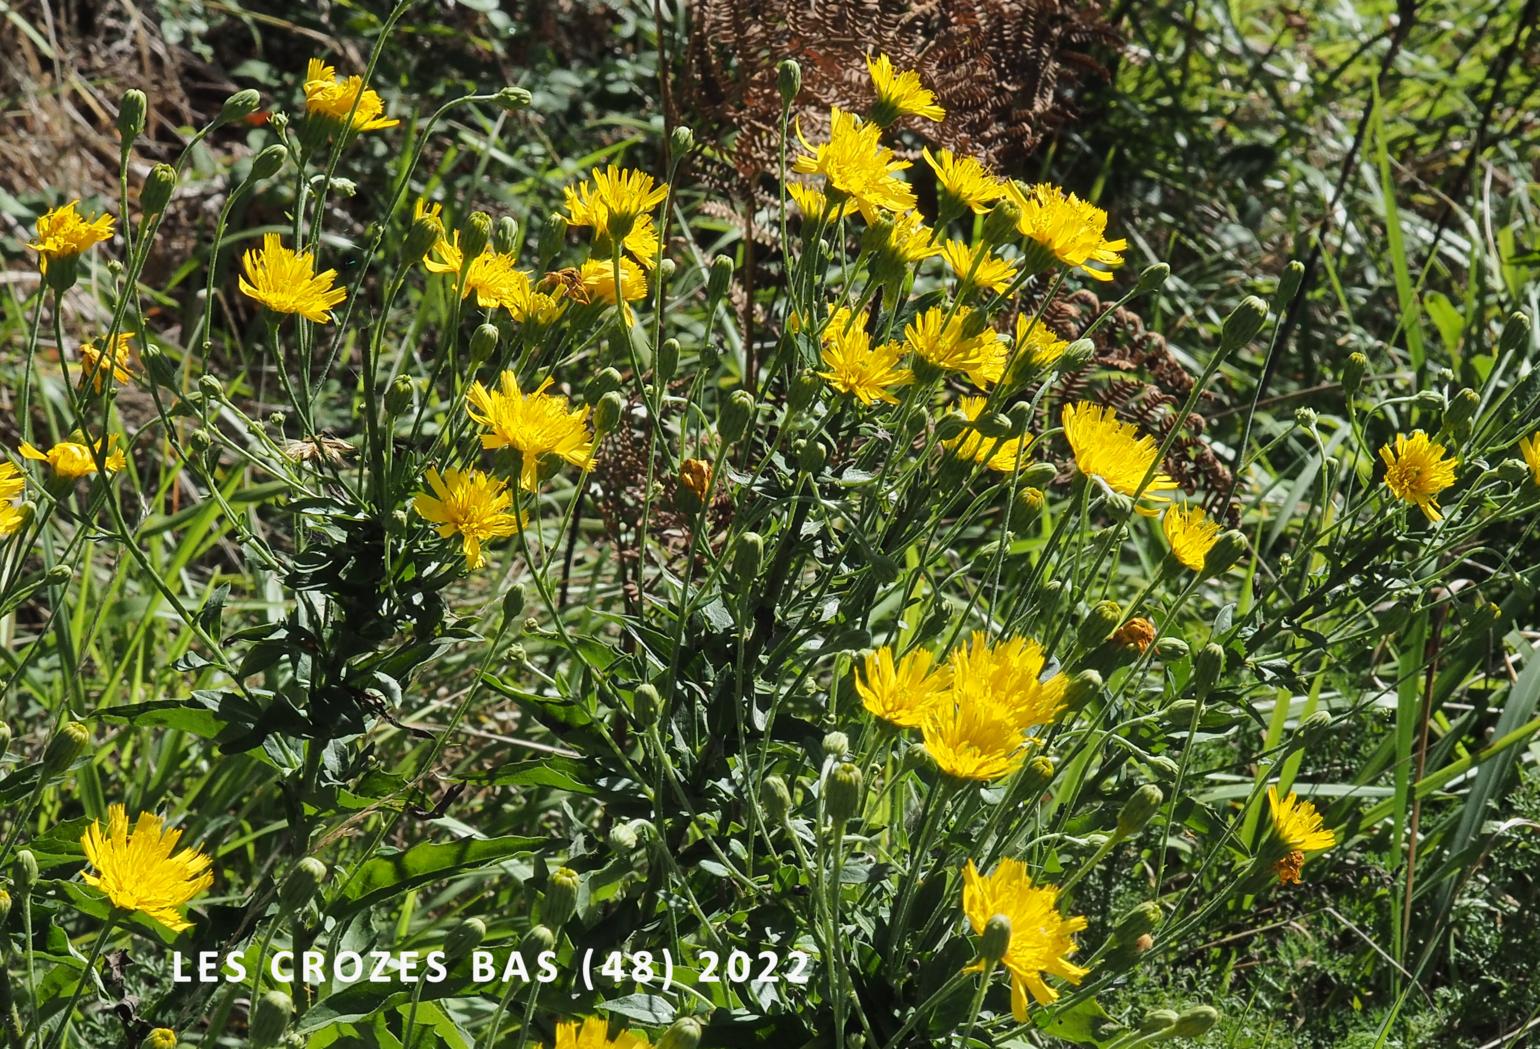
[993,424]
[720,277]
[269,1018]
[681,140]
[1026,508]
[735,415]
[811,456]
[1514,471]
[1462,409]
[269,162]
[399,397]
[1152,278]
[748,555]
[846,792]
[1353,374]
[475,235]
[5,909]
[1243,323]
[788,80]
[803,392]
[158,187]
[996,939]
[561,894]
[646,702]
[684,1034]
[951,426]
[24,873]
[1431,400]
[777,799]
[483,343]
[1171,649]
[1081,688]
[159,1038]
[1137,810]
[1206,668]
[1137,921]
[1099,623]
[836,745]
[1195,1022]
[603,381]
[241,104]
[1036,774]
[552,235]
[1288,285]
[1515,333]
[211,387]
[1000,222]
[464,938]
[513,98]
[607,413]
[5,739]
[1038,475]
[1229,548]
[301,884]
[694,485]
[505,235]
[1156,1020]
[131,111]
[67,745]
[539,939]
[666,363]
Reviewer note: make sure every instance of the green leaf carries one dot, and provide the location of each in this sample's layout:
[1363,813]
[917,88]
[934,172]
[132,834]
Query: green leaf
[387,876]
[1084,1023]
[643,1008]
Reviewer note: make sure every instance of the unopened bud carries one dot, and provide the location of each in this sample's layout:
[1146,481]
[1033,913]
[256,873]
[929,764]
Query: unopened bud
[604,380]
[681,140]
[1000,222]
[24,873]
[788,80]
[646,702]
[301,884]
[993,424]
[67,745]
[683,1034]
[505,235]
[1152,277]
[1515,333]
[1462,409]
[425,231]
[1156,1020]
[951,426]
[1026,509]
[803,392]
[513,98]
[552,235]
[748,555]
[1514,471]
[158,187]
[1137,810]
[836,745]
[483,343]
[777,799]
[399,397]
[269,162]
[720,277]
[1076,355]
[666,363]
[538,940]
[464,938]
[1099,623]
[241,104]
[1353,372]
[1137,921]
[607,413]
[131,111]
[846,791]
[1195,1022]
[5,739]
[736,413]
[475,235]
[1171,649]
[1430,400]
[1229,548]
[561,895]
[1243,323]
[159,1038]
[811,456]
[1288,285]
[1206,669]
[1081,689]
[996,939]
[1036,774]
[211,387]
[269,1019]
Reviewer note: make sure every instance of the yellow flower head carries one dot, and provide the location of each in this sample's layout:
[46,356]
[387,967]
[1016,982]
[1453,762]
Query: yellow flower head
[973,741]
[978,267]
[1036,344]
[909,240]
[535,425]
[114,361]
[1067,228]
[12,481]
[1000,454]
[905,694]
[470,504]
[814,205]
[140,870]
[285,281]
[612,200]
[72,459]
[160,1038]
[1190,533]
[946,345]
[1417,471]
[493,277]
[867,373]
[598,276]
[858,167]
[900,94]
[1041,938]
[594,1034]
[12,517]
[1114,451]
[333,100]
[964,179]
[1529,447]
[1007,675]
[64,232]
[1298,827]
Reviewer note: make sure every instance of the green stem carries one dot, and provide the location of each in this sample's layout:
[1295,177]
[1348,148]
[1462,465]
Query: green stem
[85,977]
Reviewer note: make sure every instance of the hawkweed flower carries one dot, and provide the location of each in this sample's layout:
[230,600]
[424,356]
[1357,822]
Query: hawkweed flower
[1114,451]
[285,281]
[72,459]
[593,1033]
[814,205]
[63,233]
[1041,939]
[1066,228]
[140,869]
[973,741]
[1000,454]
[1529,447]
[470,504]
[1007,675]
[612,200]
[978,267]
[598,280]
[867,373]
[1298,827]
[159,1038]
[900,94]
[1190,534]
[964,179]
[333,100]
[908,240]
[945,344]
[494,278]
[1417,471]
[113,361]
[1036,345]
[857,167]
[535,425]
[12,481]
[904,693]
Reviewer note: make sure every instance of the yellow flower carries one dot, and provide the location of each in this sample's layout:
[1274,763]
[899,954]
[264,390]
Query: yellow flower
[598,276]
[494,278]
[594,1034]
[534,425]
[286,281]
[160,1038]
[964,179]
[72,459]
[63,232]
[814,205]
[1417,471]
[1036,344]
[973,741]
[945,344]
[1000,454]
[332,99]
[1114,451]
[904,694]
[993,272]
[114,361]
[909,240]
[612,201]
[12,517]
[1298,827]
[1067,228]
[856,367]
[1529,447]
[858,167]
[470,504]
[12,481]
[1007,675]
[1041,938]
[140,870]
[1190,533]
[900,94]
